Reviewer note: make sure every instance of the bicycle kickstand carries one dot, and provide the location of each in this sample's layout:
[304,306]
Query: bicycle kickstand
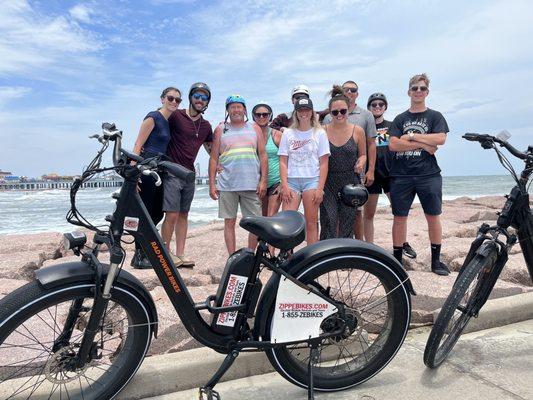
[207,392]
[314,357]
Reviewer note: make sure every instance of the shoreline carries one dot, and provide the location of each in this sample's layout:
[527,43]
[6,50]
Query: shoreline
[198,225]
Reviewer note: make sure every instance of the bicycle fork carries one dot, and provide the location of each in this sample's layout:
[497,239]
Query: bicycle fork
[101,299]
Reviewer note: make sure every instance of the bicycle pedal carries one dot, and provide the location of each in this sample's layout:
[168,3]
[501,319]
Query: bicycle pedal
[208,394]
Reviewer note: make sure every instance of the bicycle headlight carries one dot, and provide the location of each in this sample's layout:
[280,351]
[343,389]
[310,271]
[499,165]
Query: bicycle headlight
[73,240]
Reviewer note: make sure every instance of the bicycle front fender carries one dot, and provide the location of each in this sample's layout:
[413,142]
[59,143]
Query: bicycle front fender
[322,249]
[79,271]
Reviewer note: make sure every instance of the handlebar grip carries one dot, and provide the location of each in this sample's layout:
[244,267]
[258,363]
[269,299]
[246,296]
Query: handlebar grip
[477,137]
[178,171]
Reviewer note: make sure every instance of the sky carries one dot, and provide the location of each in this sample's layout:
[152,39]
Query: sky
[68,66]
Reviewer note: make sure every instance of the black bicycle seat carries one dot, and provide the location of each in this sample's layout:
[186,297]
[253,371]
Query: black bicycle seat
[285,230]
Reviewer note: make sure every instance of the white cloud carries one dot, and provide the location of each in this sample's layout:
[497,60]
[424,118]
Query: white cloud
[81,12]
[29,40]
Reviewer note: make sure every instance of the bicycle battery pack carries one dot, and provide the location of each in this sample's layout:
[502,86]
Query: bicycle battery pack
[233,291]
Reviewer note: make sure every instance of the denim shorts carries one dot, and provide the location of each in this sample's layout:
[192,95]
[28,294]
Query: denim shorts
[300,185]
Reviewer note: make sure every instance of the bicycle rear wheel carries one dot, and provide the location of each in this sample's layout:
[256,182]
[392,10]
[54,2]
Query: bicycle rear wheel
[35,358]
[457,309]
[378,304]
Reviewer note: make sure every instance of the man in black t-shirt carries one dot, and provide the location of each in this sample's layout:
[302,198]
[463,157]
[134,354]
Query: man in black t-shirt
[377,104]
[414,136]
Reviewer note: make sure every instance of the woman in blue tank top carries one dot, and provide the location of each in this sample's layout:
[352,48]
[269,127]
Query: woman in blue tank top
[152,140]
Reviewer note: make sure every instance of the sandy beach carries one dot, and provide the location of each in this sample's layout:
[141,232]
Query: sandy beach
[22,255]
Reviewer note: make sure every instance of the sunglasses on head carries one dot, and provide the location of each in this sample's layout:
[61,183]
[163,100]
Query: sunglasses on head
[172,99]
[351,89]
[200,96]
[377,105]
[262,115]
[417,88]
[342,111]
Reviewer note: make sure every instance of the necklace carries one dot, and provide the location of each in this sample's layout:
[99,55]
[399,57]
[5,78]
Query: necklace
[196,129]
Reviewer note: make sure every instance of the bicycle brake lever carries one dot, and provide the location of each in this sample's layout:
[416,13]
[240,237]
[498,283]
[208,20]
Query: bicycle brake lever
[154,175]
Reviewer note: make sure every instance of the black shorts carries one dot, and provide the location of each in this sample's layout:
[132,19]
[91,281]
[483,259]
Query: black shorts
[427,188]
[272,189]
[380,184]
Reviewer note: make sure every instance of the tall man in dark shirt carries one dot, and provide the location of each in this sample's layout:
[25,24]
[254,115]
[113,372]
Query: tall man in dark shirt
[188,132]
[414,137]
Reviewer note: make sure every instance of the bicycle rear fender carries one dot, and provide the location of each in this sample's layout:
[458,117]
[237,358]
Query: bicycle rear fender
[314,252]
[79,271]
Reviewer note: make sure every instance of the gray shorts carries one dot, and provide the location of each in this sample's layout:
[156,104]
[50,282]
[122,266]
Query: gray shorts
[177,194]
[229,201]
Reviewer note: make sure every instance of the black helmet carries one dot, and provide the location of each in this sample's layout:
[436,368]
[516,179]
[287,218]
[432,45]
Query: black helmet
[262,104]
[353,195]
[199,86]
[376,96]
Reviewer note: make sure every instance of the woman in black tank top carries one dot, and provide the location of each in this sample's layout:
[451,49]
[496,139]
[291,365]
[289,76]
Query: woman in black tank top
[347,160]
[152,140]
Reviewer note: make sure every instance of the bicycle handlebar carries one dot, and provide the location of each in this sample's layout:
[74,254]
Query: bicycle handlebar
[484,138]
[178,171]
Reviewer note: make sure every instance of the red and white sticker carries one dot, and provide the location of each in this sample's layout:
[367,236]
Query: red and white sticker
[131,224]
[232,297]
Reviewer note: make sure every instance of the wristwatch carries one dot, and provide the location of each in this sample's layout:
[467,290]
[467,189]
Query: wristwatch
[411,135]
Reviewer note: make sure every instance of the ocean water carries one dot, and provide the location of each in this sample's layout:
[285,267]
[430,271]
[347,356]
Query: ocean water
[44,211]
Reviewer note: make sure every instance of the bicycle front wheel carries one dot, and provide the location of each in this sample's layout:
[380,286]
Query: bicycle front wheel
[36,351]
[379,307]
[457,309]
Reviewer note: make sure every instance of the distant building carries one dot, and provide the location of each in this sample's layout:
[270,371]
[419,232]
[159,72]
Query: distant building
[3,174]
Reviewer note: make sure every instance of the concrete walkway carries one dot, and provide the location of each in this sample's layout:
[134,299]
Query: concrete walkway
[491,364]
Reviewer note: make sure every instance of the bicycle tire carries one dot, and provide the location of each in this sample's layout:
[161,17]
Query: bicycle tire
[438,346]
[33,365]
[381,347]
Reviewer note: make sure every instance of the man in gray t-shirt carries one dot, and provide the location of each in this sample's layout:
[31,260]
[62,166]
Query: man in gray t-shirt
[363,118]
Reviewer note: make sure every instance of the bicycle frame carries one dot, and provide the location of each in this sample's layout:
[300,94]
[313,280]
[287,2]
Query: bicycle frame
[131,216]
[516,213]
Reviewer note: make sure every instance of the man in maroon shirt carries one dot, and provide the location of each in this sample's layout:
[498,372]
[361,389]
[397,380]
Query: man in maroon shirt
[188,132]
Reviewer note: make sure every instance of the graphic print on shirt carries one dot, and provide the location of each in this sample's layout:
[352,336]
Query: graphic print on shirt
[301,151]
[417,126]
[382,138]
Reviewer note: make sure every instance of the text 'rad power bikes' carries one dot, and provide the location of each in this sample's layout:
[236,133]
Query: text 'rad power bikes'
[331,316]
[487,255]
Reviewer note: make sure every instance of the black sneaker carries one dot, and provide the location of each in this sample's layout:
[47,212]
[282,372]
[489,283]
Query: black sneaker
[140,262]
[408,251]
[440,269]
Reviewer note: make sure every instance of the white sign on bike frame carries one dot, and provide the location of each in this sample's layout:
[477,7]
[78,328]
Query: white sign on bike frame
[299,313]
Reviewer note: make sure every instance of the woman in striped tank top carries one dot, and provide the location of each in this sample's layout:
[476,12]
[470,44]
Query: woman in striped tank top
[238,152]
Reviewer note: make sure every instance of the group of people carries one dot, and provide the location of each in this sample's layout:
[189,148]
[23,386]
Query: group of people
[302,156]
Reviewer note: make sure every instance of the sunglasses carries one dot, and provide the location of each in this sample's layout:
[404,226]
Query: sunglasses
[200,96]
[417,88]
[350,90]
[172,99]
[377,105]
[262,115]
[342,111]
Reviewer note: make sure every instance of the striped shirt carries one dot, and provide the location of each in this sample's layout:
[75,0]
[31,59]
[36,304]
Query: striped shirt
[239,159]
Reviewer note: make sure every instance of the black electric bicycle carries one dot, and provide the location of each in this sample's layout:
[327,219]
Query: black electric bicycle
[487,255]
[331,316]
